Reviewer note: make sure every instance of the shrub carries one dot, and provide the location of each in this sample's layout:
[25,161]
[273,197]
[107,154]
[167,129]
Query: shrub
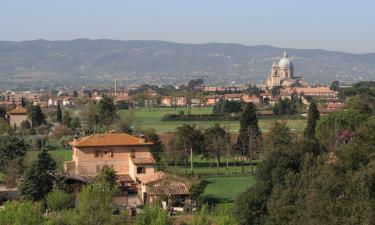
[61,130]
[43,129]
[58,200]
[152,215]
[20,213]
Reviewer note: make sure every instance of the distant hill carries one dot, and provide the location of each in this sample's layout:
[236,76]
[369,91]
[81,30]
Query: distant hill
[92,62]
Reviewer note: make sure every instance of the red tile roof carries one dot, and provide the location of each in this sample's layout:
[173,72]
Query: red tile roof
[18,110]
[151,177]
[109,139]
[125,178]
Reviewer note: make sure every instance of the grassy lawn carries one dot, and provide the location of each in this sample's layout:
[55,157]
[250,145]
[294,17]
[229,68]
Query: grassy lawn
[144,118]
[57,152]
[221,190]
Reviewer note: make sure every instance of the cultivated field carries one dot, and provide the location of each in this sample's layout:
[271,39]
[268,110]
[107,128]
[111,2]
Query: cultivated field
[143,118]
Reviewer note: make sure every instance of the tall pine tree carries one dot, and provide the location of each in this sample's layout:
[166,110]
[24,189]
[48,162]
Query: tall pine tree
[312,118]
[58,113]
[250,135]
[38,179]
[36,115]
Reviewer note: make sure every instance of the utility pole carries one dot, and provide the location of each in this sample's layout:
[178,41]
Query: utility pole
[191,160]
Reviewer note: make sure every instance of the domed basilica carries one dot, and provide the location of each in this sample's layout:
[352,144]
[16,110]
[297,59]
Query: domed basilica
[282,75]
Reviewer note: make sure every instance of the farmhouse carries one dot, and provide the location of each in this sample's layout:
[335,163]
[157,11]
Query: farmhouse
[128,155]
[17,116]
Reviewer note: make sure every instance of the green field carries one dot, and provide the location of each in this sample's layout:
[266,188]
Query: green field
[143,118]
[221,190]
[59,154]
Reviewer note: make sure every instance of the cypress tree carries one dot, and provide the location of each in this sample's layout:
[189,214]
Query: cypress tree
[59,113]
[36,115]
[249,127]
[250,134]
[312,118]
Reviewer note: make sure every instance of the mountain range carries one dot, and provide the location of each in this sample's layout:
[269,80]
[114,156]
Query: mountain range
[85,62]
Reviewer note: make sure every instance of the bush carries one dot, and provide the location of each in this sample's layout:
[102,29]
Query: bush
[20,213]
[61,130]
[152,215]
[58,200]
[43,129]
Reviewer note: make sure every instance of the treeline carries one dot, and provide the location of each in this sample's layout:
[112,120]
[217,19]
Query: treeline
[326,177]
[215,143]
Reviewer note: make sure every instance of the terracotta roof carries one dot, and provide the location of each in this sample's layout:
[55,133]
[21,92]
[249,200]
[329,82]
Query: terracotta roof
[314,90]
[176,185]
[232,95]
[146,179]
[335,106]
[143,161]
[214,96]
[109,139]
[125,178]
[175,188]
[18,110]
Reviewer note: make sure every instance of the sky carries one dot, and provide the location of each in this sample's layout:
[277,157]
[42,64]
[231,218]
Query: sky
[344,25]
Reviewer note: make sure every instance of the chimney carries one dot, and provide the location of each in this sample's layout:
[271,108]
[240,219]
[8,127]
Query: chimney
[75,138]
[142,139]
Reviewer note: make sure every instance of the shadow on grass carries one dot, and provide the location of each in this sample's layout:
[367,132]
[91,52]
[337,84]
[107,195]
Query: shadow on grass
[212,200]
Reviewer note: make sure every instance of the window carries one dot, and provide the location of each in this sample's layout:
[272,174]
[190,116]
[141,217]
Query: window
[98,154]
[141,170]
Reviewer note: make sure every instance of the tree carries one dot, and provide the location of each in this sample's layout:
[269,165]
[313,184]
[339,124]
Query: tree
[2,112]
[4,126]
[196,188]
[312,118]
[108,176]
[75,123]
[58,200]
[188,140]
[66,118]
[22,212]
[107,110]
[158,147]
[12,147]
[279,136]
[95,204]
[58,113]
[23,102]
[152,215]
[364,104]
[330,125]
[226,107]
[250,135]
[38,179]
[216,140]
[335,85]
[75,94]
[36,115]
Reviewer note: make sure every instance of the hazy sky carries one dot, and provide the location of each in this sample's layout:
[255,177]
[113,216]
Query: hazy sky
[346,25]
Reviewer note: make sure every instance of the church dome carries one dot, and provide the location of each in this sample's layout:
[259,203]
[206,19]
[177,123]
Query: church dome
[285,62]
